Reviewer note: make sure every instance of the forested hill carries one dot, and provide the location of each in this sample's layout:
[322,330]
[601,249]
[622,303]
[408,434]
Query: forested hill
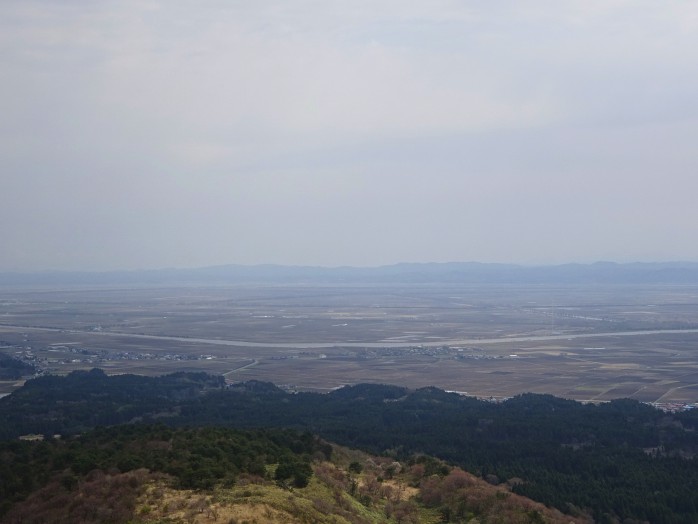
[143,474]
[605,458]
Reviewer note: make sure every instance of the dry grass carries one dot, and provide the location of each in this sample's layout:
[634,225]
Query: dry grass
[257,502]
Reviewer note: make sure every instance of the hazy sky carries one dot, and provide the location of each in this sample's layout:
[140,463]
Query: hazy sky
[145,134]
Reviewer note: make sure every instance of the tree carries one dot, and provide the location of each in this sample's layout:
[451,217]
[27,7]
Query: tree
[289,468]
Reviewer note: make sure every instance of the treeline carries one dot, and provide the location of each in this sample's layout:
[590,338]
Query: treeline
[619,460]
[86,399]
[601,459]
[195,458]
[14,369]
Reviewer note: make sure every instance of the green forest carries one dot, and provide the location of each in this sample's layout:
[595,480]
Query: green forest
[617,460]
[198,458]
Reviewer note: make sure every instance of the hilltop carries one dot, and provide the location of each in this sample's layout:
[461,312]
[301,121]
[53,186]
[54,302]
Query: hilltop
[583,459]
[142,474]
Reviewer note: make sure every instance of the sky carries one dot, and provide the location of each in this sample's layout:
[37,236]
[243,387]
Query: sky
[152,134]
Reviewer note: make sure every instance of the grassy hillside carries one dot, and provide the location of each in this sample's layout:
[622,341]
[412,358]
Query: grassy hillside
[145,474]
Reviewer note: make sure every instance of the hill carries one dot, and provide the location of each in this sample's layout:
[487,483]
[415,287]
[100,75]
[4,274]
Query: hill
[600,460]
[143,474]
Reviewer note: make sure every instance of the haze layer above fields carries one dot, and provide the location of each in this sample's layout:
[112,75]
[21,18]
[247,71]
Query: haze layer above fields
[406,273]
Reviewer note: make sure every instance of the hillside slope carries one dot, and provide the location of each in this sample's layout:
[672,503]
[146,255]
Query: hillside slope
[602,458]
[144,474]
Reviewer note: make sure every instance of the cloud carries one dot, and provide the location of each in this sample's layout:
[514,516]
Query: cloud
[180,133]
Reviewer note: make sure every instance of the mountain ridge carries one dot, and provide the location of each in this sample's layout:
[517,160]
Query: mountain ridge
[672,272]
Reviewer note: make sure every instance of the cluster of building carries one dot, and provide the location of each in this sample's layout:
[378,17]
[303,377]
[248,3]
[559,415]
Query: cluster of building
[42,359]
[674,407]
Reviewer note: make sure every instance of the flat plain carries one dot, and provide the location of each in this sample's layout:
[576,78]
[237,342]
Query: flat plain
[590,343]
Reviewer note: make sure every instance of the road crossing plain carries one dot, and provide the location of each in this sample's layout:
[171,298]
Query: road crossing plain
[485,340]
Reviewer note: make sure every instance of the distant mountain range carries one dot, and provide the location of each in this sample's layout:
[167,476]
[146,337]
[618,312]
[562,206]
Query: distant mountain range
[404,273]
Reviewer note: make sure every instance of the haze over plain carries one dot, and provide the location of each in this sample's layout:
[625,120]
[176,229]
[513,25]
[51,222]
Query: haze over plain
[158,134]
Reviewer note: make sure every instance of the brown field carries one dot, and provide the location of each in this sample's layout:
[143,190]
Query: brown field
[495,340]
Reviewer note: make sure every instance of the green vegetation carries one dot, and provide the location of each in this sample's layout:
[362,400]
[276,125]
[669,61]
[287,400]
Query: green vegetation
[141,474]
[13,369]
[86,399]
[601,460]
[200,458]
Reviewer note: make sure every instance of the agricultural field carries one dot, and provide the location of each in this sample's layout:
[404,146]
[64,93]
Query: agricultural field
[591,343]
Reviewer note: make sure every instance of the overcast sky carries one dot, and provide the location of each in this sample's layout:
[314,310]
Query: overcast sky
[147,134]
